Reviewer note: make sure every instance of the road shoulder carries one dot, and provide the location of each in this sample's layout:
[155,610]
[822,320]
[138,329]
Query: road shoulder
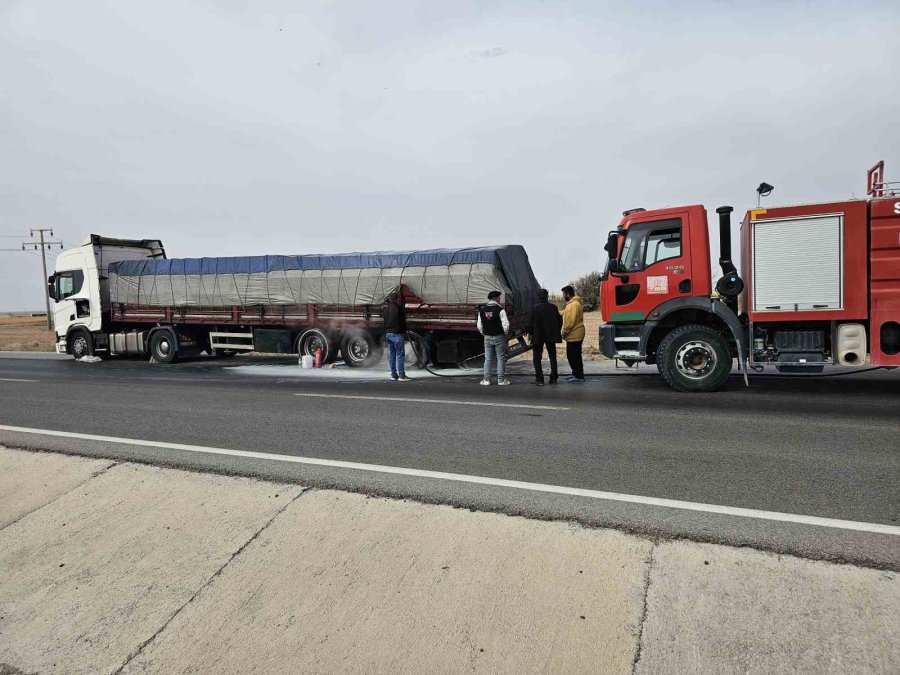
[145,569]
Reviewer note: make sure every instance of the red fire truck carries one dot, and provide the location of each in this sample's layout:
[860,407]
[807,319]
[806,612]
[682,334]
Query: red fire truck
[819,285]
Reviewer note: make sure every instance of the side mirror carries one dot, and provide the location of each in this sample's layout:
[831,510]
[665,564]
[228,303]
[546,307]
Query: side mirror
[612,245]
[51,287]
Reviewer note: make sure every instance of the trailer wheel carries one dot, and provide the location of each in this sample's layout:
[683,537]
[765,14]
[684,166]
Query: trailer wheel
[314,338]
[79,343]
[163,348]
[417,353]
[694,358]
[359,349]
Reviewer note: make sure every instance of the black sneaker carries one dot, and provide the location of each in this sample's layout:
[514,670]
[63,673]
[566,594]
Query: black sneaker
[404,378]
[539,383]
[394,378]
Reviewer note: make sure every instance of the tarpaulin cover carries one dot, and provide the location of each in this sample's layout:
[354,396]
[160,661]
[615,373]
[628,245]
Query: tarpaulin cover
[441,276]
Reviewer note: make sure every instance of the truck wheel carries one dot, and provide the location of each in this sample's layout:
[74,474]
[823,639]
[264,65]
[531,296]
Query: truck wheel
[163,348]
[417,352]
[80,343]
[694,358]
[312,339]
[359,349]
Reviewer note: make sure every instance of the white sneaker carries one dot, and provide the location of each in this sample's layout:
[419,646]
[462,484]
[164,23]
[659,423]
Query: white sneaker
[503,382]
[485,383]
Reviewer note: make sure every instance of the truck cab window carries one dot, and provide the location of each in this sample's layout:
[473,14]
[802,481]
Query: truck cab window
[649,243]
[68,283]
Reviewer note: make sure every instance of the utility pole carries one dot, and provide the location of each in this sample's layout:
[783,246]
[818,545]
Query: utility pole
[43,245]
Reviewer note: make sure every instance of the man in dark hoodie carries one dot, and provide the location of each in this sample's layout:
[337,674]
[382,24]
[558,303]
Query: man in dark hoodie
[545,333]
[394,332]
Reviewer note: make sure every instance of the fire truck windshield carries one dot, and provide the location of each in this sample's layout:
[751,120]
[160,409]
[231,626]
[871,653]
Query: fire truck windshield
[649,243]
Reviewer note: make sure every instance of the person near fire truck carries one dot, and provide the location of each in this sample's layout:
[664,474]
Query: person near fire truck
[573,333]
[546,335]
[493,324]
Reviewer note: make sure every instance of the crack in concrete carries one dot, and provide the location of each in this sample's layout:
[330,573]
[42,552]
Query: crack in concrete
[137,652]
[80,485]
[640,636]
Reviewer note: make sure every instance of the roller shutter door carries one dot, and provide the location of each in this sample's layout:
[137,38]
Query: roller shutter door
[798,264]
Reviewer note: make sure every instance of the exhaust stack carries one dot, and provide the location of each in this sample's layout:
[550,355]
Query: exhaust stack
[731,284]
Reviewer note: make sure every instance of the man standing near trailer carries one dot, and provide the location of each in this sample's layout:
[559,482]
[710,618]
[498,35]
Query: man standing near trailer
[394,331]
[547,324]
[493,324]
[573,333]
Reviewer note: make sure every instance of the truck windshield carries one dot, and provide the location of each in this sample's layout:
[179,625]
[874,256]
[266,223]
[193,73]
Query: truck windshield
[650,242]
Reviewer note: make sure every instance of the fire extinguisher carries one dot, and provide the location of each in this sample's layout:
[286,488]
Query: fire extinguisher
[317,363]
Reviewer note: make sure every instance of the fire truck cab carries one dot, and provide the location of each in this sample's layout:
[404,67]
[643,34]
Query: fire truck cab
[819,285]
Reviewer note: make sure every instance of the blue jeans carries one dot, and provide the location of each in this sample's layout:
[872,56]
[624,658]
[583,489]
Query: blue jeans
[495,345]
[396,353]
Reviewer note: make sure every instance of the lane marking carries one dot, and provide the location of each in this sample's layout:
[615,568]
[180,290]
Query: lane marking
[15,379]
[444,401]
[858,526]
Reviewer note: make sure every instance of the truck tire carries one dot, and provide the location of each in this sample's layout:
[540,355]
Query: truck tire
[314,338]
[416,351]
[79,343]
[360,349]
[694,358]
[163,347]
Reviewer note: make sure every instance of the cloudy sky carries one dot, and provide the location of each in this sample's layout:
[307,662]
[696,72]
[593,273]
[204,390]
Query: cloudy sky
[238,127]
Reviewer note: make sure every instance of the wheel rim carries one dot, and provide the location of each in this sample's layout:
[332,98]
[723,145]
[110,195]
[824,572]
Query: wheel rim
[312,344]
[358,348]
[163,347]
[80,346]
[696,359]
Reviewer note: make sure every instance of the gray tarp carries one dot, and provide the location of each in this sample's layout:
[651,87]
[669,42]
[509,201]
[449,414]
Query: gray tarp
[445,276]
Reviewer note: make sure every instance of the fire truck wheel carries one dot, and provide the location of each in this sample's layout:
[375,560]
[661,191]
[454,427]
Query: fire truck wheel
[163,348]
[80,343]
[314,338]
[359,349]
[694,358]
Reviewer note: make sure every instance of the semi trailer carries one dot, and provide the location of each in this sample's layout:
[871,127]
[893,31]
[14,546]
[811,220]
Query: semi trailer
[125,297]
[819,285]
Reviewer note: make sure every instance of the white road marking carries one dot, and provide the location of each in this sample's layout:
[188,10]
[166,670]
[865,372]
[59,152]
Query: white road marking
[15,379]
[444,401]
[876,528]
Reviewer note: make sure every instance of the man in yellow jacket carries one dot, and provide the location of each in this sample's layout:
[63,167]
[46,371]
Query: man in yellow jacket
[573,333]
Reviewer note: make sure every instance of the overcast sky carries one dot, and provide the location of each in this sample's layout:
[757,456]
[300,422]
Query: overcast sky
[238,127]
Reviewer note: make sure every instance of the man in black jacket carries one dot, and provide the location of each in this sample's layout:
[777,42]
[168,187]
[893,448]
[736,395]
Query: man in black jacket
[545,333]
[394,330]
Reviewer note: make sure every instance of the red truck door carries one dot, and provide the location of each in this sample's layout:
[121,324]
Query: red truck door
[656,263]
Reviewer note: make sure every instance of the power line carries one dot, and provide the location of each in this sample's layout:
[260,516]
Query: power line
[43,245]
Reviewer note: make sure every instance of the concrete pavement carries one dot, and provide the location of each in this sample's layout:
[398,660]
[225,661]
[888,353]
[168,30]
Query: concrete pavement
[116,567]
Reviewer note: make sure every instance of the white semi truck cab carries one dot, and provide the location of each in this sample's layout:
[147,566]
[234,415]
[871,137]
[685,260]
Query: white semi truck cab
[80,291]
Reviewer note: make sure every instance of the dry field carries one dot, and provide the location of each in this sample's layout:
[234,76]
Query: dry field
[25,334]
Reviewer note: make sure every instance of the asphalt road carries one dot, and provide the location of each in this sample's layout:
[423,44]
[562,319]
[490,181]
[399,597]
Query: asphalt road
[824,447]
